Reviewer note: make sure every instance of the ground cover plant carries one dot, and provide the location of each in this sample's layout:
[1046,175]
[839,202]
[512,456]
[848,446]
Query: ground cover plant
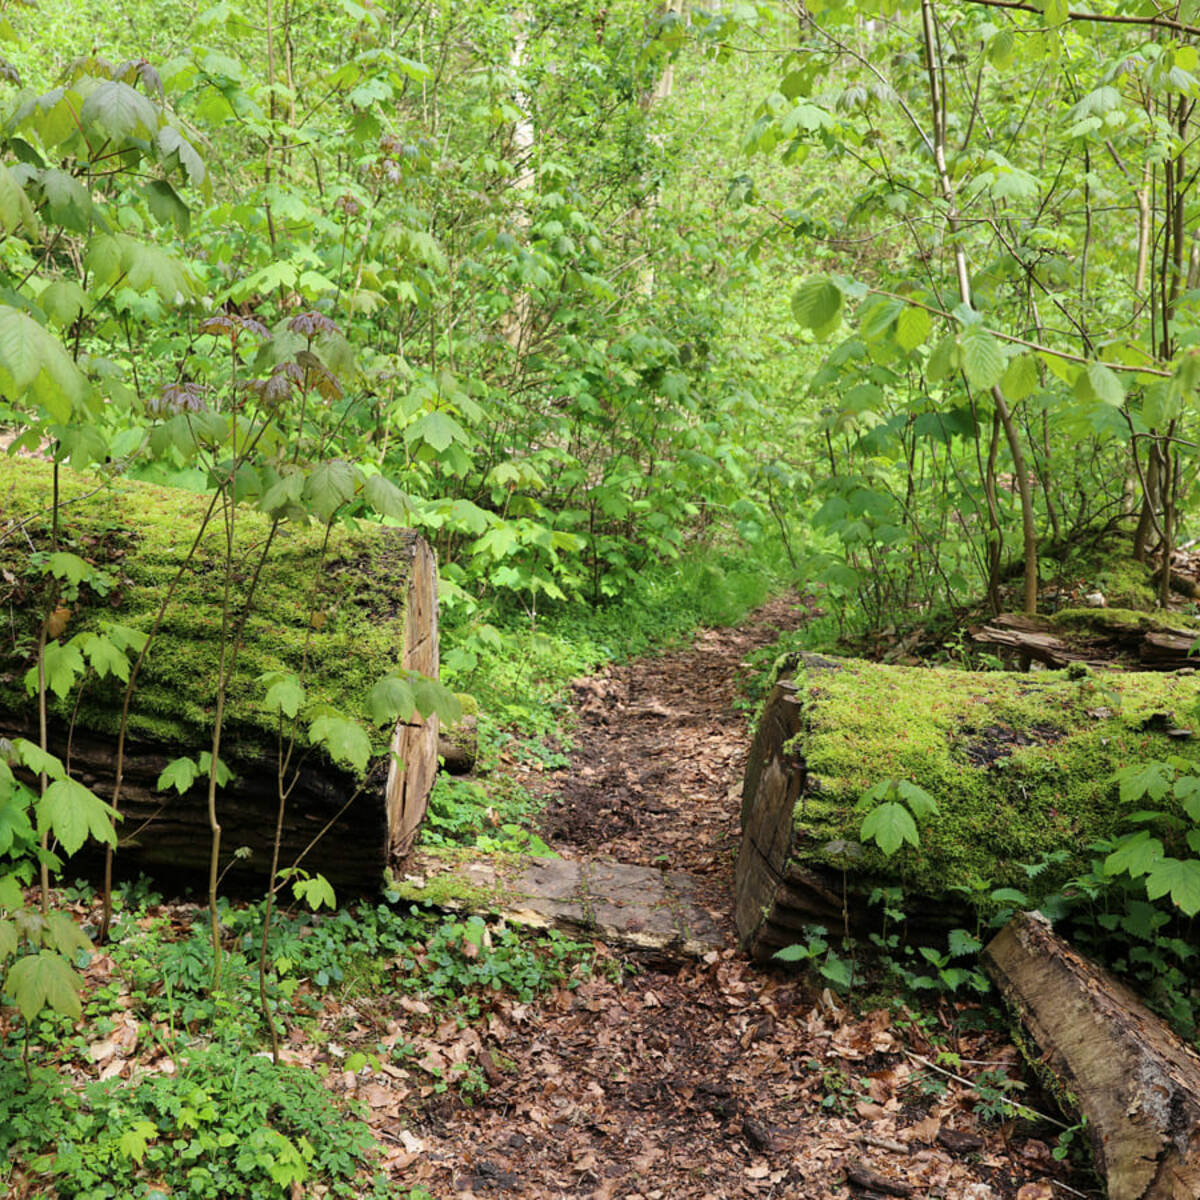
[635,315]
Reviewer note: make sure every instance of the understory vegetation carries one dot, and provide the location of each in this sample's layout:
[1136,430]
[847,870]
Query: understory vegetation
[638,316]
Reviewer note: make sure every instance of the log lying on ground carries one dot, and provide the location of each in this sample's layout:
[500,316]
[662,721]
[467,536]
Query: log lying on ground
[340,616]
[1135,1081]
[1122,637]
[1021,765]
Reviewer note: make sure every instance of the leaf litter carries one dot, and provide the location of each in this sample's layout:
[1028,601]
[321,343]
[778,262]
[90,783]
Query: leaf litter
[704,1080]
[716,1078]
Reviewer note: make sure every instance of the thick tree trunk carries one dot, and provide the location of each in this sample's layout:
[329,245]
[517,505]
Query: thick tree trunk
[337,614]
[1135,1081]
[1020,766]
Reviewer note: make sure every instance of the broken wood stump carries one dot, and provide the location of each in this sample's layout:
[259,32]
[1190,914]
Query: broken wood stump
[1021,766]
[337,614]
[1109,1058]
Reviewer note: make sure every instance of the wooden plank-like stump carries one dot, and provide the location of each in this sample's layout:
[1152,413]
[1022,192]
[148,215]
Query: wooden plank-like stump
[1022,767]
[339,614]
[1109,1057]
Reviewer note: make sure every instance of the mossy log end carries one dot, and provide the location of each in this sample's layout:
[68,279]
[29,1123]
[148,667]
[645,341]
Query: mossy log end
[1109,1058]
[339,613]
[1021,765]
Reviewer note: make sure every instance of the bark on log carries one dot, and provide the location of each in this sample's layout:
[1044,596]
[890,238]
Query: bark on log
[1097,637]
[339,614]
[1020,765]
[1135,1081]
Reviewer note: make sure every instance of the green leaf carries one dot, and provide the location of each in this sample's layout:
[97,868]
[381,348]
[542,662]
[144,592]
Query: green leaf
[68,202]
[105,657]
[34,363]
[799,952]
[913,327]
[16,212]
[15,826]
[222,774]
[889,826]
[134,1142]
[175,148]
[314,892]
[917,798]
[8,937]
[65,936]
[43,980]
[1179,877]
[71,812]
[118,112]
[1136,853]
[817,303]
[1098,382]
[179,773]
[387,499]
[38,760]
[982,359]
[1151,779]
[166,206]
[343,740]
[437,429]
[391,699]
[434,697]
[63,667]
[1187,792]
[944,360]
[1020,378]
[63,301]
[330,485]
[285,693]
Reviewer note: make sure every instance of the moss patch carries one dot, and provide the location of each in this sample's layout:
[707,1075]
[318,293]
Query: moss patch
[1021,765]
[343,607]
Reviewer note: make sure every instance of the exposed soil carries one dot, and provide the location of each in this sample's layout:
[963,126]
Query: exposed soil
[718,1079]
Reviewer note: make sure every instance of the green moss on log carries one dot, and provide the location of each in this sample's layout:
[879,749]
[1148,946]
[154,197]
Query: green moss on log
[1022,765]
[342,607]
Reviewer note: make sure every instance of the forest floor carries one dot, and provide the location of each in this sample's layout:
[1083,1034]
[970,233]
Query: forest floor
[717,1078]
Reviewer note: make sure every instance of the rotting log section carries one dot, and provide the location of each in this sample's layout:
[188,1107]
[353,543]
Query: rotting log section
[1109,1058]
[338,613]
[1097,637]
[1021,765]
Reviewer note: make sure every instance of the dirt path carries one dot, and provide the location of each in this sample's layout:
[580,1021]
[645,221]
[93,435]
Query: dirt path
[719,1079]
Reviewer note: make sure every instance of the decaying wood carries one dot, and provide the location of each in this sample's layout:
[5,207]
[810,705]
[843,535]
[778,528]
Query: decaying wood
[348,826]
[1006,756]
[1135,1081]
[1139,640]
[458,746]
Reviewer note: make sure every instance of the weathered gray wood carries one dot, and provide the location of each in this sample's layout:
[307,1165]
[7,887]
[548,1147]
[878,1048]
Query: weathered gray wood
[1119,1065]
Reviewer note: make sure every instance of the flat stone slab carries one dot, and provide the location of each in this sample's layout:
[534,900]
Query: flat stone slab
[640,909]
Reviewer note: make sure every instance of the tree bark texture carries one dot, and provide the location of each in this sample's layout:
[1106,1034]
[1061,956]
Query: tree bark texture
[1109,1057]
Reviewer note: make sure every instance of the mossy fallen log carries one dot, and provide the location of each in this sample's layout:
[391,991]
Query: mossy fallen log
[1021,765]
[339,614]
[1109,1058]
